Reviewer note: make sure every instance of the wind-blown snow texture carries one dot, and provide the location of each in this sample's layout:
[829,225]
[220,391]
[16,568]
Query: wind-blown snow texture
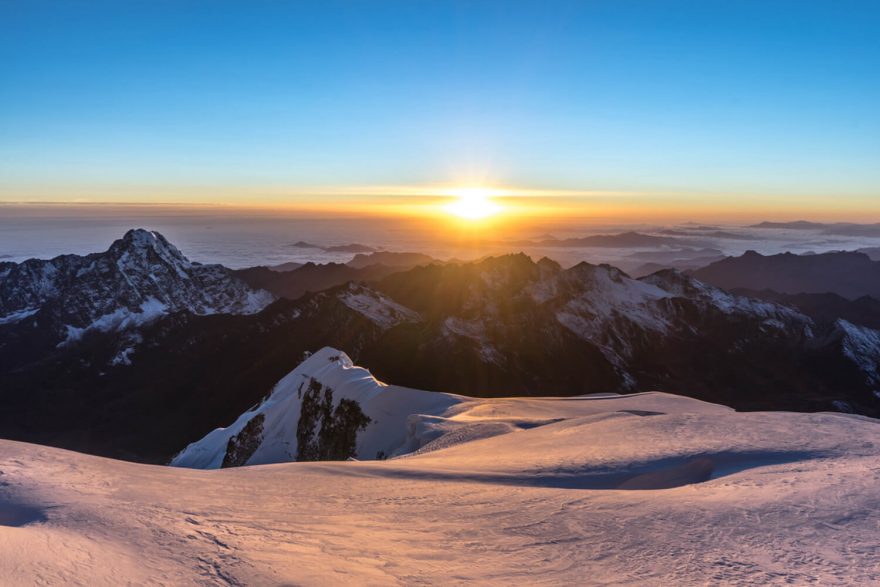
[644,489]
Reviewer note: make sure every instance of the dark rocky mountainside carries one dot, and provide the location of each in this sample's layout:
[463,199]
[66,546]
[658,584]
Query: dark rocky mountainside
[848,274]
[593,328]
[310,277]
[185,375]
[824,307]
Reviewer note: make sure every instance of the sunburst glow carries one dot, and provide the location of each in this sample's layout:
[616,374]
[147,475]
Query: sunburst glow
[473,204]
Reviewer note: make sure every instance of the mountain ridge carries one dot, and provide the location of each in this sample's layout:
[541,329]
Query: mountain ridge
[508,324]
[140,276]
[849,274]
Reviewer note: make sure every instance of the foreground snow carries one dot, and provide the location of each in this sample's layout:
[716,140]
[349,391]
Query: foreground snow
[643,489]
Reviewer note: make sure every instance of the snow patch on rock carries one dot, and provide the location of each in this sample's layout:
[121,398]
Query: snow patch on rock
[18,316]
[861,346]
[474,330]
[121,319]
[377,307]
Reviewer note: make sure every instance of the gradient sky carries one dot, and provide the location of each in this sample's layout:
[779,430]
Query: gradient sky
[733,103]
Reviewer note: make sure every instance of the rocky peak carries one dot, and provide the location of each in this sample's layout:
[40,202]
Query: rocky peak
[584,276]
[507,271]
[140,277]
[509,262]
[548,265]
[147,246]
[674,282]
[141,239]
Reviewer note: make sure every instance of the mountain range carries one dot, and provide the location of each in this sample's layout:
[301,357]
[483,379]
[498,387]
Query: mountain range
[623,240]
[310,277]
[156,381]
[349,248]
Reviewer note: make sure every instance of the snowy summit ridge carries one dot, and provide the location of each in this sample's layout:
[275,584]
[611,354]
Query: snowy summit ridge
[327,402]
[277,429]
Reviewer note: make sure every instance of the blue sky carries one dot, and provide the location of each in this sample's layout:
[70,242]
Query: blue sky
[121,99]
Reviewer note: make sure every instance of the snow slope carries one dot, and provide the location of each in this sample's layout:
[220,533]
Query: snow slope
[644,489]
[402,420]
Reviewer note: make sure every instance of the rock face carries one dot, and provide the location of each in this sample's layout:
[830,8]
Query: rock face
[242,446]
[315,413]
[326,432]
[140,277]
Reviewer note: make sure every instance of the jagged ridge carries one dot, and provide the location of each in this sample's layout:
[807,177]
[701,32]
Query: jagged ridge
[140,277]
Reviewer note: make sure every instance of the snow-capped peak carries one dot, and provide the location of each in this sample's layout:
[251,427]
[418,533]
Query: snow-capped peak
[140,277]
[141,250]
[326,392]
[270,432]
[142,240]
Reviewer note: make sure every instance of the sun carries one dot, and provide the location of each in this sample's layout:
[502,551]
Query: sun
[472,204]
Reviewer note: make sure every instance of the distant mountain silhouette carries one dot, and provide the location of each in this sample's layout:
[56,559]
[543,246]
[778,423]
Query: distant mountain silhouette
[310,277]
[682,259]
[835,228]
[848,274]
[349,248]
[723,234]
[289,266]
[622,240]
[390,259]
[794,225]
[873,252]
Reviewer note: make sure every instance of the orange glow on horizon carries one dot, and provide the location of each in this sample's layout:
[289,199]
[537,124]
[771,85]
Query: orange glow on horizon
[455,207]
